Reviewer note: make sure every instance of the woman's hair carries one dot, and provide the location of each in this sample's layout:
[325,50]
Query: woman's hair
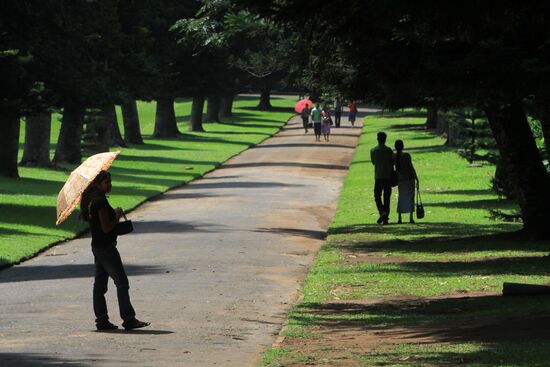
[399,148]
[91,193]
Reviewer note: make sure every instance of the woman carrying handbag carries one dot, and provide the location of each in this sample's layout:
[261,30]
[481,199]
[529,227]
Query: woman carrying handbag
[406,179]
[103,219]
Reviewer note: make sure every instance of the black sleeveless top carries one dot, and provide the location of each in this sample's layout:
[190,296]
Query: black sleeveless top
[100,238]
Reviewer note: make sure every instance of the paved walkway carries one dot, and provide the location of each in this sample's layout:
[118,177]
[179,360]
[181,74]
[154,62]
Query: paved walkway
[213,265]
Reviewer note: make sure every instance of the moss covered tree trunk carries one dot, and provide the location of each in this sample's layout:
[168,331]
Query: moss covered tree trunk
[9,143]
[37,140]
[165,119]
[195,120]
[524,166]
[130,118]
[68,149]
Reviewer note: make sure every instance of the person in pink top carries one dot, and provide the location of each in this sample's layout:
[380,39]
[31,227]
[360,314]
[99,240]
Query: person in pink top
[327,122]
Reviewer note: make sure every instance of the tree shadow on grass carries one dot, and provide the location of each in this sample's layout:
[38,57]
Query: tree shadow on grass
[408,127]
[505,327]
[511,241]
[423,229]
[42,216]
[30,186]
[404,114]
[272,109]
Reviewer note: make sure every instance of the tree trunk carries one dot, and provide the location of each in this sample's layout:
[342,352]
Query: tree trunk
[9,143]
[524,165]
[96,136]
[165,119]
[195,120]
[212,109]
[115,138]
[130,117]
[265,104]
[226,106]
[432,117]
[37,140]
[68,149]
[545,127]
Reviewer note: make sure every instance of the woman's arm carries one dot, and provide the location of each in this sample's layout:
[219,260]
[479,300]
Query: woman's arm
[106,224]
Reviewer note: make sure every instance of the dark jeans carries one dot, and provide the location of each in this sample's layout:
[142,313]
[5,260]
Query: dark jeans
[305,122]
[109,264]
[337,118]
[382,185]
[317,128]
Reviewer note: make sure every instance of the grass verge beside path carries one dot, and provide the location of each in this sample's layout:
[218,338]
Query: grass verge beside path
[27,205]
[422,294]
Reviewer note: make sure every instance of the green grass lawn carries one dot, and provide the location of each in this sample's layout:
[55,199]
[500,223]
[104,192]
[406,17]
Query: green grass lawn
[27,205]
[372,277]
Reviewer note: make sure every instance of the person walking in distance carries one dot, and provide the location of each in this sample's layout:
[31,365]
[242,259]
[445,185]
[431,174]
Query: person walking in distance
[337,112]
[406,177]
[316,119]
[305,117]
[326,122]
[95,209]
[382,159]
[352,112]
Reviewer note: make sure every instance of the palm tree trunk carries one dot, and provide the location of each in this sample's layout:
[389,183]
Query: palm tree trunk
[265,103]
[212,109]
[9,143]
[130,117]
[115,137]
[524,166]
[37,140]
[226,106]
[68,149]
[165,119]
[195,120]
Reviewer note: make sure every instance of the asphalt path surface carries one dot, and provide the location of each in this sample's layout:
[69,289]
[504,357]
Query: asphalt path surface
[213,265]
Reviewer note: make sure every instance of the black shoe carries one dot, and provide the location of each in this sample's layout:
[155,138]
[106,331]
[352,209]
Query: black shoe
[380,219]
[106,326]
[385,222]
[134,324]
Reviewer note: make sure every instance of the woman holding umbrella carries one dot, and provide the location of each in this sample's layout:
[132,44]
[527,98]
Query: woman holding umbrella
[95,209]
[88,185]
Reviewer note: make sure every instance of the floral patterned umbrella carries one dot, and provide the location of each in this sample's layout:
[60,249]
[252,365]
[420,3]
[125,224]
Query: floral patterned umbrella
[79,180]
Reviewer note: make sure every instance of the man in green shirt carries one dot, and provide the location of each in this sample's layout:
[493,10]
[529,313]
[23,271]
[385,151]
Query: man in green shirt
[316,119]
[382,159]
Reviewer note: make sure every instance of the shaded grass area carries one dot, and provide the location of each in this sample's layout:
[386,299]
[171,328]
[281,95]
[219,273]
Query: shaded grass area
[27,205]
[426,294]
